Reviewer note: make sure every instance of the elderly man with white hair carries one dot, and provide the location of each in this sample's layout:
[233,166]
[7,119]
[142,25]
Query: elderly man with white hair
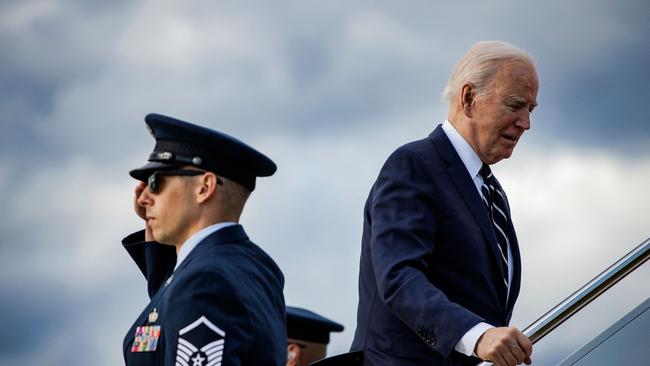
[440,268]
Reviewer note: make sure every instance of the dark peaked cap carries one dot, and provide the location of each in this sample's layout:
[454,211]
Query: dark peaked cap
[181,143]
[308,326]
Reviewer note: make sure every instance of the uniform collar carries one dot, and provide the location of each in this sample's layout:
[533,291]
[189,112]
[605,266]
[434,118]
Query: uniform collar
[196,238]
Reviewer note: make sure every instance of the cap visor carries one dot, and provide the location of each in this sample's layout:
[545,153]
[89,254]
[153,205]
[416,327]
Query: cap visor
[145,171]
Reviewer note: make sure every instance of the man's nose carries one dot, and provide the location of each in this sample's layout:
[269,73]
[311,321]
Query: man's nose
[524,121]
[145,197]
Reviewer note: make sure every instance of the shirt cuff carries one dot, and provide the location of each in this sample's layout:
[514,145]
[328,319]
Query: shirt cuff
[467,343]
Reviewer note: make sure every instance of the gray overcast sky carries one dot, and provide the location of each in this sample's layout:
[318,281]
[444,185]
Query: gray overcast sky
[327,90]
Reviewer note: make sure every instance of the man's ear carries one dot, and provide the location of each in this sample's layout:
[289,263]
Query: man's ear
[293,354]
[467,99]
[207,187]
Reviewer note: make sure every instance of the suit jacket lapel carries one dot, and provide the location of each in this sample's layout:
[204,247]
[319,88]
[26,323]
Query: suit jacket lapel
[516,275]
[459,175]
[516,270]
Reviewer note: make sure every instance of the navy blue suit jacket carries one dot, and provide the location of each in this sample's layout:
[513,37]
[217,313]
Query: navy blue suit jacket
[430,268]
[227,292]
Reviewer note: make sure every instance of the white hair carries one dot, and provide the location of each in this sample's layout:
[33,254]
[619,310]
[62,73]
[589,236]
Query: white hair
[480,64]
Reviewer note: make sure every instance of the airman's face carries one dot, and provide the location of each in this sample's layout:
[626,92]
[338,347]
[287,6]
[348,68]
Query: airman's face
[500,117]
[170,211]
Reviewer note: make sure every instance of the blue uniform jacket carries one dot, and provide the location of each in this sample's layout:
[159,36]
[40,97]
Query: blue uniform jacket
[430,267]
[222,306]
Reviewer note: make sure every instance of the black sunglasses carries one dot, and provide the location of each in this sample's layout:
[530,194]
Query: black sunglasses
[153,182]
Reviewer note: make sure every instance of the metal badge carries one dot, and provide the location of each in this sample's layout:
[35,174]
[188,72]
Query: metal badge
[197,160]
[153,316]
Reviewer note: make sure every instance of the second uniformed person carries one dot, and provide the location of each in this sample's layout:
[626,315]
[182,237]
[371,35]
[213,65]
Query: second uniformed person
[308,335]
[216,298]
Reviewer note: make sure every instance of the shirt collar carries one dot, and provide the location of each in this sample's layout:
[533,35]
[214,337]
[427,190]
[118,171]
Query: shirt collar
[196,238]
[470,159]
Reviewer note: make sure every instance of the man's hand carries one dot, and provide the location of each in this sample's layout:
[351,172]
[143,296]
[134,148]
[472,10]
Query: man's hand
[505,346]
[141,211]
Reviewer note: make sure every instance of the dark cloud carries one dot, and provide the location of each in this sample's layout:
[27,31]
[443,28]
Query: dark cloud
[45,321]
[47,48]
[77,75]
[31,314]
[604,105]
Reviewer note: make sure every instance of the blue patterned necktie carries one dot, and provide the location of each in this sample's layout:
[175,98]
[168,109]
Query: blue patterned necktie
[495,202]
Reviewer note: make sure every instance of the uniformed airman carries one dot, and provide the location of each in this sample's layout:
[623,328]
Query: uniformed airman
[216,298]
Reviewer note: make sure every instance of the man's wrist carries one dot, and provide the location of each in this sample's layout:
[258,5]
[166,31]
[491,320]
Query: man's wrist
[477,342]
[468,343]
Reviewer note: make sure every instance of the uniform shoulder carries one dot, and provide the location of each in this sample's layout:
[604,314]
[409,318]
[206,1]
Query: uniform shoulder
[202,273]
[235,262]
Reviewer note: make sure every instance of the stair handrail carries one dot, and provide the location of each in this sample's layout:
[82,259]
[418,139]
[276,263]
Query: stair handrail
[587,293]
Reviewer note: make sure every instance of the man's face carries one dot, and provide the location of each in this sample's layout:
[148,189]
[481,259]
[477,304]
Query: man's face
[171,210]
[501,116]
[303,353]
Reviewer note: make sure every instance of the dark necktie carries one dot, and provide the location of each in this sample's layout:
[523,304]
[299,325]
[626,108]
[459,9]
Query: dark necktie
[495,202]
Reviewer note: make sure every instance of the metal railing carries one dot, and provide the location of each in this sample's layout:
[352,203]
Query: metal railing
[587,293]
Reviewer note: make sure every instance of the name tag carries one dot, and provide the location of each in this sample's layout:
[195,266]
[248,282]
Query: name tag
[146,338]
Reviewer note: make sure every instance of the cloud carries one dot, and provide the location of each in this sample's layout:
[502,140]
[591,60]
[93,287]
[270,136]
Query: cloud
[80,74]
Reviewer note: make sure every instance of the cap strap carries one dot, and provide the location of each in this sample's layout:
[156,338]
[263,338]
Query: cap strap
[169,157]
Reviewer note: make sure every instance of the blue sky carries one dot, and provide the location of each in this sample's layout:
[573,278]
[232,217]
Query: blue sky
[327,90]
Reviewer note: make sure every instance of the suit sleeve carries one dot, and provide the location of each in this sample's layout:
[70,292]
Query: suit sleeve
[403,242]
[206,320]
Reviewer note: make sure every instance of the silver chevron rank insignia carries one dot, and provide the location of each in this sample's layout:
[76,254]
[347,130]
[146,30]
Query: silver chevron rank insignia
[200,344]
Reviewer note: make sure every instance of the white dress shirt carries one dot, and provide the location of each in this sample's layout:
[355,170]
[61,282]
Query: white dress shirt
[473,165]
[196,238]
